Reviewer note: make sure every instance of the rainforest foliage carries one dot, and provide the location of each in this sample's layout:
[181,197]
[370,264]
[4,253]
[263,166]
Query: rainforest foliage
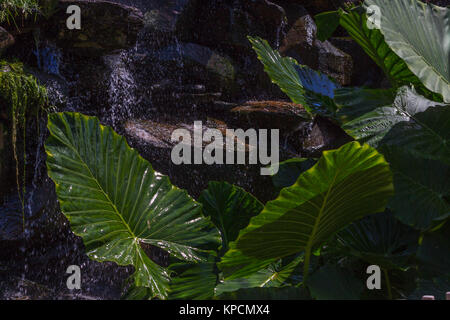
[382,199]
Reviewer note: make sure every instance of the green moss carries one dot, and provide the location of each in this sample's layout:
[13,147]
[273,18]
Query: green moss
[23,98]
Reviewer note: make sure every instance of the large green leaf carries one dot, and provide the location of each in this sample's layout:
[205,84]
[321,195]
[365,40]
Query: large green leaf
[373,126]
[422,188]
[378,239]
[303,85]
[198,282]
[116,202]
[345,185]
[426,134]
[419,34]
[230,208]
[353,103]
[372,42]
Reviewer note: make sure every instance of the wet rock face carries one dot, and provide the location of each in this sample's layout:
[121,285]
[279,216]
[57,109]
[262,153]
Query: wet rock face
[301,43]
[105,26]
[226,23]
[286,116]
[6,40]
[223,26]
[159,15]
[207,65]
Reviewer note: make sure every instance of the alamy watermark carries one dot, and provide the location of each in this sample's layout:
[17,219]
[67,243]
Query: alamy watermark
[233,144]
[74,20]
[74,280]
[374,280]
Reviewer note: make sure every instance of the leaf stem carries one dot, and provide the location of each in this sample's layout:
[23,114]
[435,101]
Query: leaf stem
[388,283]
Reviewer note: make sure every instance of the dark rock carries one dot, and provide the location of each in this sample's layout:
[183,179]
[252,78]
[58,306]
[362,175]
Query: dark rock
[289,117]
[159,15]
[365,71]
[325,135]
[226,24]
[315,6]
[215,69]
[301,43]
[153,141]
[105,26]
[6,40]
[221,27]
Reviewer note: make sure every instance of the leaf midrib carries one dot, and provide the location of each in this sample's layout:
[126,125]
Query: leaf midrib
[316,226]
[98,184]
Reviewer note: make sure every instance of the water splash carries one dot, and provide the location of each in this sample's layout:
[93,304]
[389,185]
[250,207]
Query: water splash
[121,88]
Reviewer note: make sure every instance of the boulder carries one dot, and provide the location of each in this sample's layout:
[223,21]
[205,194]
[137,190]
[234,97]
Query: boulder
[324,135]
[226,24]
[152,138]
[6,40]
[301,43]
[286,116]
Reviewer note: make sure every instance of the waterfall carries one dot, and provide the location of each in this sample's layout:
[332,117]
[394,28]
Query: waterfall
[121,88]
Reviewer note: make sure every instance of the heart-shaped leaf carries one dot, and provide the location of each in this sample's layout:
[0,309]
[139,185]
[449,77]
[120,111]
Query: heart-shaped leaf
[345,185]
[372,42]
[378,239]
[373,126]
[418,33]
[230,208]
[117,203]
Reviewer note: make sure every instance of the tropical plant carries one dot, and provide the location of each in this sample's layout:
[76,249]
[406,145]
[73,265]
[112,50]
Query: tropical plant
[408,123]
[303,85]
[118,204]
[428,57]
[333,216]
[344,186]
